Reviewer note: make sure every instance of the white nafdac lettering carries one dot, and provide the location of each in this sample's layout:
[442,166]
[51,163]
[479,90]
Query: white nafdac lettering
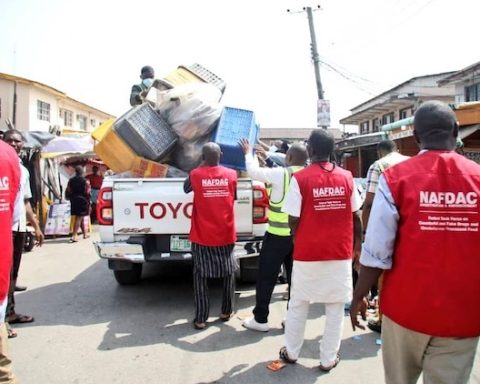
[328,191]
[450,198]
[4,184]
[214,182]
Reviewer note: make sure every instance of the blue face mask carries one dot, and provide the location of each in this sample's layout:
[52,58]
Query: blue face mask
[147,82]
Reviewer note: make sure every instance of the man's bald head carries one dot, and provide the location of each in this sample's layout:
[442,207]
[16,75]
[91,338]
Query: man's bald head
[211,153]
[296,155]
[435,126]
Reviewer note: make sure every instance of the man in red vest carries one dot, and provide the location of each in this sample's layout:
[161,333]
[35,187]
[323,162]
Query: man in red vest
[323,207]
[9,191]
[212,231]
[424,232]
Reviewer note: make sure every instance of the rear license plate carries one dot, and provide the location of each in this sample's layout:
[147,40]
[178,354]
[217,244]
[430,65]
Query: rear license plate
[178,244]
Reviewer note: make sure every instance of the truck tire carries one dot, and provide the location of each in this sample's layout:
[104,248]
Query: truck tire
[249,270]
[130,276]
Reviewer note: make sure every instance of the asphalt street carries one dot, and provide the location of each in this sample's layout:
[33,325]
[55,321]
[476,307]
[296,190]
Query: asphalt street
[89,330]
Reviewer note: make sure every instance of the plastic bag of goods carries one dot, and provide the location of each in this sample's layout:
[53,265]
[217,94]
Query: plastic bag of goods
[188,154]
[192,110]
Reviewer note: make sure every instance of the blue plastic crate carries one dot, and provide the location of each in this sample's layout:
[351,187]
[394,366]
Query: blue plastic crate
[234,125]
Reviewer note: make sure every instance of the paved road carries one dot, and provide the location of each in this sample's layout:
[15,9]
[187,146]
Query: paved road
[89,330]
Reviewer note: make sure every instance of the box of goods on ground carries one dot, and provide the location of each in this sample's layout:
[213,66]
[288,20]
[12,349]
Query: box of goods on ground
[163,137]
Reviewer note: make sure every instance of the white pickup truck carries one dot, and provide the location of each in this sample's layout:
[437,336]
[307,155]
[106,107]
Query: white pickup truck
[148,220]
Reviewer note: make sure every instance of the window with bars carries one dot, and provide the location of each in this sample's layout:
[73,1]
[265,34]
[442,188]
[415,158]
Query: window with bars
[388,118]
[67,117]
[43,110]
[472,92]
[82,122]
[364,127]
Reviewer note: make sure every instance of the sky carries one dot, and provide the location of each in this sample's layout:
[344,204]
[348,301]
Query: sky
[93,49]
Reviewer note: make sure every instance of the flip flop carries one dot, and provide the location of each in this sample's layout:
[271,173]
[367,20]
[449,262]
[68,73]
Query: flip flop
[198,325]
[283,354]
[328,369]
[226,316]
[20,319]
[73,241]
[11,333]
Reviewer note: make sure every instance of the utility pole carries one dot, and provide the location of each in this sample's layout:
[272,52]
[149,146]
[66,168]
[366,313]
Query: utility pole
[315,56]
[316,62]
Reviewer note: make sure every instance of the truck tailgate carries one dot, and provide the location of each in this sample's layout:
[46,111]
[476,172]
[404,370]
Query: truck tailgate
[159,206]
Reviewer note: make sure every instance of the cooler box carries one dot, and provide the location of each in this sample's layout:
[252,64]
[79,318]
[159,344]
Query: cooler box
[146,132]
[234,125]
[113,151]
[118,156]
[195,73]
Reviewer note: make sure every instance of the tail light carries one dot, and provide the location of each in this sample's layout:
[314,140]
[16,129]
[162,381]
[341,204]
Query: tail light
[260,205]
[105,207]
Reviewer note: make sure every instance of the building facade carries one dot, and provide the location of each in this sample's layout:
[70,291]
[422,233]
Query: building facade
[33,106]
[399,102]
[466,83]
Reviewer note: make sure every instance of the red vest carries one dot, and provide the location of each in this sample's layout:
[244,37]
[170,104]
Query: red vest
[214,195]
[325,230]
[9,187]
[434,284]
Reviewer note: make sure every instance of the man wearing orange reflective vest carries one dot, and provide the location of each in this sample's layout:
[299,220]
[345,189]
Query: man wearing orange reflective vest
[424,232]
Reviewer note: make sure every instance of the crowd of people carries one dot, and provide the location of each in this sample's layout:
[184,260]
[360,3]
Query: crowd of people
[420,247]
[420,237]
[15,212]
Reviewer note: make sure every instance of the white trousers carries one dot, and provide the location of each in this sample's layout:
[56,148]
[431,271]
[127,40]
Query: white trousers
[295,329]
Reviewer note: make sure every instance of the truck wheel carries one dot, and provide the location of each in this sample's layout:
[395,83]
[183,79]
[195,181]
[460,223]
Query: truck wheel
[249,270]
[130,276]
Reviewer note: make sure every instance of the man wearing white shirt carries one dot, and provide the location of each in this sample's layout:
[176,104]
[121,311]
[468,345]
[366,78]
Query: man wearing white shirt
[25,213]
[323,207]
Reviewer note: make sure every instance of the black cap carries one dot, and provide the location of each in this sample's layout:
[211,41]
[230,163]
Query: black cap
[147,72]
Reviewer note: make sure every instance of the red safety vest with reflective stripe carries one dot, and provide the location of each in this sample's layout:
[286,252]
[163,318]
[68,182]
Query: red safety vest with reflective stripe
[214,196]
[434,284]
[325,229]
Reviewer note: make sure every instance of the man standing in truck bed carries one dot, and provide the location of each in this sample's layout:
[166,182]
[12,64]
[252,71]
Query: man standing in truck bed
[212,231]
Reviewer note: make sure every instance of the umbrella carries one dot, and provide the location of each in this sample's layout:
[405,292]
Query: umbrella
[63,145]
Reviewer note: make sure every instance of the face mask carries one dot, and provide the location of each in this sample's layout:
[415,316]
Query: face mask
[147,82]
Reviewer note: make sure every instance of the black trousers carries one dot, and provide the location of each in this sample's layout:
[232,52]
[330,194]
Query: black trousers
[276,250]
[202,301]
[18,243]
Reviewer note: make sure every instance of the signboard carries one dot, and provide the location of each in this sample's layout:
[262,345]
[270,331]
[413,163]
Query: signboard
[323,113]
[58,220]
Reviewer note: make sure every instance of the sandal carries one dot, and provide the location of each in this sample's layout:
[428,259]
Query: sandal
[328,369]
[198,325]
[73,241]
[226,316]
[11,333]
[20,319]
[283,354]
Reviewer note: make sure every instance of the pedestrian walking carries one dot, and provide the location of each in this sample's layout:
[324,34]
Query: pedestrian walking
[212,232]
[423,232]
[323,207]
[78,192]
[277,245]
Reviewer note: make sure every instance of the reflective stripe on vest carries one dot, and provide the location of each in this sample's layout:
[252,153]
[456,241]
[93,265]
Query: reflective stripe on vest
[277,220]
